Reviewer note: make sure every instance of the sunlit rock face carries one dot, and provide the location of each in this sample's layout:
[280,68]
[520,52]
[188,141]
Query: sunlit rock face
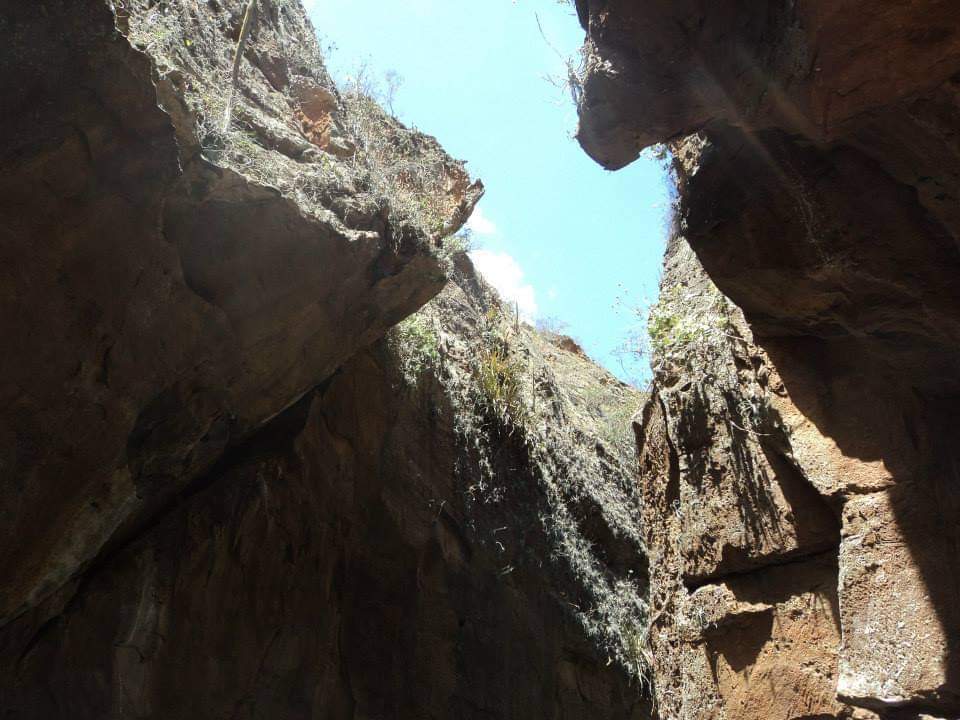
[818,156]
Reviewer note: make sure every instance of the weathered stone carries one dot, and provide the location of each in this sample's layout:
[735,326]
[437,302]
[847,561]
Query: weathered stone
[740,497]
[895,647]
[163,299]
[351,559]
[665,70]
[756,635]
[819,194]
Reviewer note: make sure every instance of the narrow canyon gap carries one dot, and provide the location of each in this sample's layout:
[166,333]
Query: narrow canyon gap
[272,448]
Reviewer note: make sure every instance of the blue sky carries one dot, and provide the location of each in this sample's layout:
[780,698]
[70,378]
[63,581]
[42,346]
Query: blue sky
[555,232]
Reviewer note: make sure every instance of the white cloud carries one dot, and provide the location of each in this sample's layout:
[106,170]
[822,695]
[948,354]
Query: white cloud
[503,272]
[480,224]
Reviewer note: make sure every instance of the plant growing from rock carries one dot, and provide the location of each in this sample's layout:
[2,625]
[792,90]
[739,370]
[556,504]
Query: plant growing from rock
[413,178]
[500,373]
[416,344]
[688,328]
[692,332]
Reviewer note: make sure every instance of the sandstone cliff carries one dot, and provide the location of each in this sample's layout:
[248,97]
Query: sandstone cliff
[225,492]
[801,494]
[262,460]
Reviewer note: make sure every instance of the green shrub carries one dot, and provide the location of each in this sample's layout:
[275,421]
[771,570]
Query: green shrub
[687,329]
[501,381]
[417,345]
[499,372]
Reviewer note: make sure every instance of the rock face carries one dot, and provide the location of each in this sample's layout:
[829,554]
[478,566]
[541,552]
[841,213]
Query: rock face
[817,161]
[365,555]
[742,549]
[169,286]
[225,493]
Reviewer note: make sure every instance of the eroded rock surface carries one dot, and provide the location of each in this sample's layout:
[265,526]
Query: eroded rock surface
[366,554]
[225,494]
[745,616]
[816,148]
[170,285]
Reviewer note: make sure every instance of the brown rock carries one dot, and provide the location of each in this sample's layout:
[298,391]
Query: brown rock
[743,584]
[741,499]
[668,69]
[819,194]
[163,297]
[895,648]
[351,559]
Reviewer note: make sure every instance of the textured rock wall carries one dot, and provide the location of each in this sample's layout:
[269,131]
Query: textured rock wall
[817,148]
[350,560]
[198,517]
[745,618]
[166,289]
[224,493]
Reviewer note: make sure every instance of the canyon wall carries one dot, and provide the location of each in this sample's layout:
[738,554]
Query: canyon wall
[171,285]
[377,550]
[241,480]
[799,457]
[226,491]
